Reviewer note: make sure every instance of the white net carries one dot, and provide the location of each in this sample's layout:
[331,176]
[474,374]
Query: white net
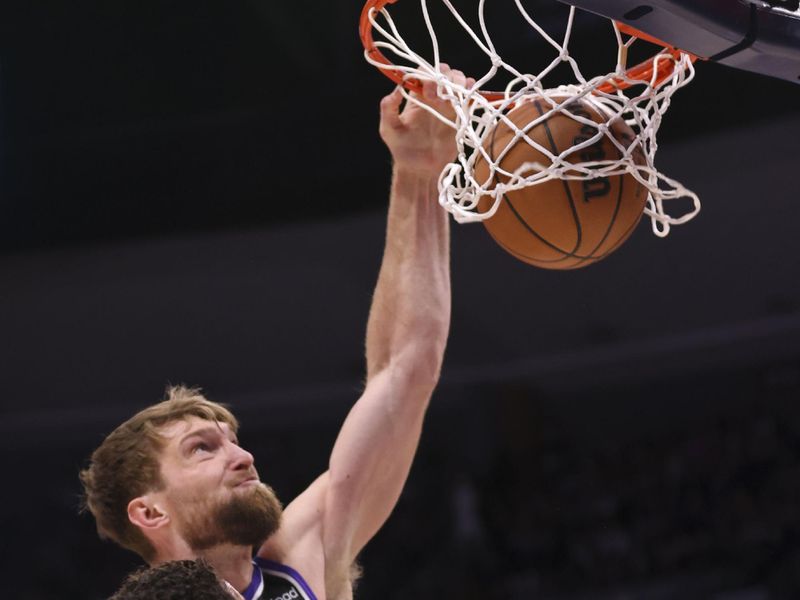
[639,97]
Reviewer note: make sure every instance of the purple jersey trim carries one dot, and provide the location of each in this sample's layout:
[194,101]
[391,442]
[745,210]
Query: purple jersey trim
[255,584]
[275,566]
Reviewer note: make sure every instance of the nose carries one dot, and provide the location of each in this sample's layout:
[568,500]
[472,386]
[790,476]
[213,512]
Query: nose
[240,458]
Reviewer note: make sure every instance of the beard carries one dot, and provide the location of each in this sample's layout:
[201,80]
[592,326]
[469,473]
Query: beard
[247,518]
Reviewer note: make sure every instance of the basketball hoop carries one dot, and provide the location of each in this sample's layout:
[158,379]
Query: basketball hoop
[638,95]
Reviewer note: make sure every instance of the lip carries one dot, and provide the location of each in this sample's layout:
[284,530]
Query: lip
[248,482]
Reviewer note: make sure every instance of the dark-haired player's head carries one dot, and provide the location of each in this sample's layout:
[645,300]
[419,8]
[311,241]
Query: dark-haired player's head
[176,580]
[173,481]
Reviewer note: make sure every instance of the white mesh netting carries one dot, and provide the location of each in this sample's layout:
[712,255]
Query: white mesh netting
[639,97]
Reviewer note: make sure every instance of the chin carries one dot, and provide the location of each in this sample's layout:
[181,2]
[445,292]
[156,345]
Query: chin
[247,517]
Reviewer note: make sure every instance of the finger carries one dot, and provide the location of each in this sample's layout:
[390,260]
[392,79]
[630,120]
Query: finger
[430,91]
[390,109]
[457,77]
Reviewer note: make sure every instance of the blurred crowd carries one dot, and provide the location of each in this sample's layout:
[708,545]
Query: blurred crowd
[709,509]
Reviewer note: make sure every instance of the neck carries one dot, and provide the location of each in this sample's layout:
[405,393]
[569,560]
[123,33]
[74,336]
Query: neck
[232,563]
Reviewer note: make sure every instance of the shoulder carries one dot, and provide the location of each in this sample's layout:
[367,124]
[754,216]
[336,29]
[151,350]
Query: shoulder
[301,523]
[284,580]
[298,543]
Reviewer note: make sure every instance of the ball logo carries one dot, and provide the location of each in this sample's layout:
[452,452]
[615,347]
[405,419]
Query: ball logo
[286,596]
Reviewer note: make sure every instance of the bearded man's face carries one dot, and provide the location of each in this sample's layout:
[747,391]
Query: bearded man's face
[212,490]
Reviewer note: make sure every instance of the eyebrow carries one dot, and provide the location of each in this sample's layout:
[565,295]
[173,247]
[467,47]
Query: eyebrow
[205,431]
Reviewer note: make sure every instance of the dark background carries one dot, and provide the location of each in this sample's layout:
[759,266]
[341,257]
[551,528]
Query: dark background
[195,193]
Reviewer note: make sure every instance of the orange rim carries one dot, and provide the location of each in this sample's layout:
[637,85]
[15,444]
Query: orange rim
[365,31]
[643,72]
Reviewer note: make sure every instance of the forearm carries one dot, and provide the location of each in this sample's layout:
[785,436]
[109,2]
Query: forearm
[371,460]
[410,314]
[406,333]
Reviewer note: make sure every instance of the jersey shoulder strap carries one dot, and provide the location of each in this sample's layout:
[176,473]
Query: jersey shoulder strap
[281,582]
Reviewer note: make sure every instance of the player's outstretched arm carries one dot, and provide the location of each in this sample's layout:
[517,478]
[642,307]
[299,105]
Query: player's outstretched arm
[406,335]
[406,332]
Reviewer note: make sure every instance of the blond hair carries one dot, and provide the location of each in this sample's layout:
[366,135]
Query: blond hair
[126,465]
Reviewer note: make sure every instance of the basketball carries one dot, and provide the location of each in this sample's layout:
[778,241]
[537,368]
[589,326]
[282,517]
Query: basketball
[561,224]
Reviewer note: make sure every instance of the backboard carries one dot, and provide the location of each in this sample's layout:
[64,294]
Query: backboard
[753,35]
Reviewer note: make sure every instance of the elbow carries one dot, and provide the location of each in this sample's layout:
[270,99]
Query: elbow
[414,355]
[419,363]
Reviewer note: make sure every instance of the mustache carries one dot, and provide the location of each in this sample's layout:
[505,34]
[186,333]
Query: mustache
[252,474]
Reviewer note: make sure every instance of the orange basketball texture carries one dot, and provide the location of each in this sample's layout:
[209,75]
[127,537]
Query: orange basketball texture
[561,224]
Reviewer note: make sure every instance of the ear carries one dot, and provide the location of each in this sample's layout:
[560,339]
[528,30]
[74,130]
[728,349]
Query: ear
[147,514]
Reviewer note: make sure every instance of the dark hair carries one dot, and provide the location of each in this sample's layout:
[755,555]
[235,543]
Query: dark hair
[174,580]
